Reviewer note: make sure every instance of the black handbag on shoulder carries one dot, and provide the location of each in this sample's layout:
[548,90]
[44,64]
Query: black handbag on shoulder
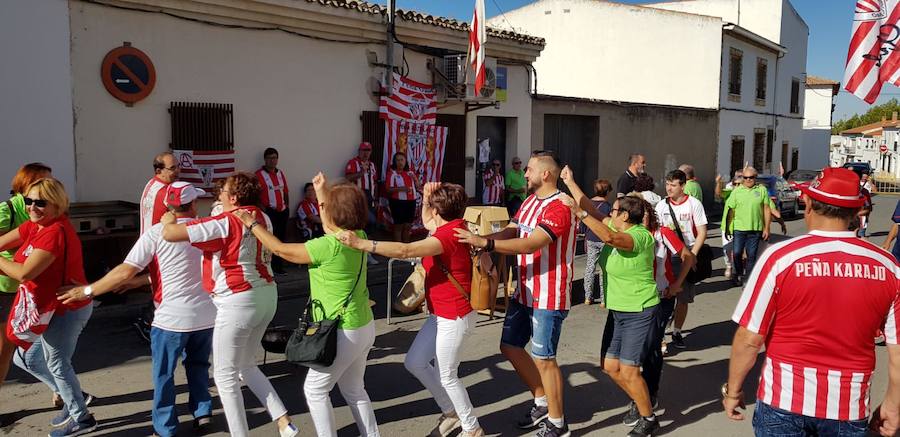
[703,268]
[314,344]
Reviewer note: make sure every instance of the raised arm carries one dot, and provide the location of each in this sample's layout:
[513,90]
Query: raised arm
[319,184]
[172,231]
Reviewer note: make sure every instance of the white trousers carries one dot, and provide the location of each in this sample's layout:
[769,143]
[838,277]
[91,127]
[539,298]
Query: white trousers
[348,372]
[440,340]
[241,321]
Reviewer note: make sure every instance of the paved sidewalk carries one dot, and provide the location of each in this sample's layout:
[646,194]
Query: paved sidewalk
[114,365]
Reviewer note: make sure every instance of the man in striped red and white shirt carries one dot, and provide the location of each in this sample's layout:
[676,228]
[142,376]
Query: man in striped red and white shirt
[493,185]
[152,206]
[274,197]
[816,303]
[542,234]
[361,171]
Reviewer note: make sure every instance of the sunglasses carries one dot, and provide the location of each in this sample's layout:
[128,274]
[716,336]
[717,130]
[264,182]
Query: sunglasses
[517,163]
[40,203]
[749,177]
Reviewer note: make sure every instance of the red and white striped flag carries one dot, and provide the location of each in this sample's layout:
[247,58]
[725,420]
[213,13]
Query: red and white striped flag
[409,100]
[475,53]
[871,58]
[422,144]
[203,168]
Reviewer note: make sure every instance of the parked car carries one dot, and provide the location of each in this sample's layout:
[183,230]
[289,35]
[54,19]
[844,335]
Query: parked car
[785,197]
[798,179]
[859,167]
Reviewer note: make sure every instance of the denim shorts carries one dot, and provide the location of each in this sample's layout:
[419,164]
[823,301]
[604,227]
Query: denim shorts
[541,327]
[627,335]
[769,421]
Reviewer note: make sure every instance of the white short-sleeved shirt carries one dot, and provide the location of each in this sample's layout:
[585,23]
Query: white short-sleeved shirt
[181,303]
[690,214]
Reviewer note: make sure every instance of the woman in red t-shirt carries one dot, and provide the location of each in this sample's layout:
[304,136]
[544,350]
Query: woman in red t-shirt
[46,331]
[452,318]
[401,185]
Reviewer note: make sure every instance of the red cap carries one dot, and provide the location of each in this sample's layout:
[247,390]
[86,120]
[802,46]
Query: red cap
[365,145]
[836,186]
[181,193]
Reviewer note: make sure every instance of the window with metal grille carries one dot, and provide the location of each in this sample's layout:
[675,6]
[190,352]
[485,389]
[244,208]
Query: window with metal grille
[201,126]
[734,71]
[795,96]
[762,68]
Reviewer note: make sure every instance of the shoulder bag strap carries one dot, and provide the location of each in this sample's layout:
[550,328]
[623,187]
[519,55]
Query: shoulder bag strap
[362,262]
[12,215]
[456,284]
[675,221]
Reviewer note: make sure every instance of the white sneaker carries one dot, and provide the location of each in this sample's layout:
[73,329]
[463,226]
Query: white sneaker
[446,424]
[289,431]
[478,432]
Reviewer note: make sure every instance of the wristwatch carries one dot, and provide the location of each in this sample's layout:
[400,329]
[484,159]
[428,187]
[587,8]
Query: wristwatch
[88,291]
[582,215]
[726,395]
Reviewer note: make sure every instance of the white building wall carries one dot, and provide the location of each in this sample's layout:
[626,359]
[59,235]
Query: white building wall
[816,127]
[762,17]
[304,96]
[36,89]
[613,51]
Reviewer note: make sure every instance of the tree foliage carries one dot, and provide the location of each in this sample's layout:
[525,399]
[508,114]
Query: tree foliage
[873,115]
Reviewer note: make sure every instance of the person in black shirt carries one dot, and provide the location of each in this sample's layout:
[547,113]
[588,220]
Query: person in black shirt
[636,165]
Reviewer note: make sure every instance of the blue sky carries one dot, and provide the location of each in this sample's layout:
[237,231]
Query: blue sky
[829,23]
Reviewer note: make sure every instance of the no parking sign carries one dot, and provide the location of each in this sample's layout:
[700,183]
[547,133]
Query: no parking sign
[128,74]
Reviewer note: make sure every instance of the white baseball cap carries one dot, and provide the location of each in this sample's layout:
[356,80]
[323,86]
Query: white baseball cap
[181,193]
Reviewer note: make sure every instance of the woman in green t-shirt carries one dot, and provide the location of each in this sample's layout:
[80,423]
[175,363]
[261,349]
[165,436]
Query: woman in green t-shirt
[631,296]
[337,277]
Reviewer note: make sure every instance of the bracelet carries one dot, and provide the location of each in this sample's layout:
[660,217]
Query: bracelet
[739,395]
[490,245]
[374,246]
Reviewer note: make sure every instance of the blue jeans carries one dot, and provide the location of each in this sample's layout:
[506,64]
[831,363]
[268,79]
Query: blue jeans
[773,422]
[541,327]
[748,240]
[50,358]
[194,349]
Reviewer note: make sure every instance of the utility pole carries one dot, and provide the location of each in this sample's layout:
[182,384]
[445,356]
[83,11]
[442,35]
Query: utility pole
[389,70]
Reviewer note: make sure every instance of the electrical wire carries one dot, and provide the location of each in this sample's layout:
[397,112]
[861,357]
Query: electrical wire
[503,14]
[231,26]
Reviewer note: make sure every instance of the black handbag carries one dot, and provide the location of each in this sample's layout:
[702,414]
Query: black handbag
[314,344]
[703,268]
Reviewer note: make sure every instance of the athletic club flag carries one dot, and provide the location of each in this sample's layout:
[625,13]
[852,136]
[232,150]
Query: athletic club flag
[422,144]
[871,58]
[409,100]
[203,168]
[475,54]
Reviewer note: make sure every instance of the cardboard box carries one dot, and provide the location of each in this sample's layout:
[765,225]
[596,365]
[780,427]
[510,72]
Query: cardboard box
[485,220]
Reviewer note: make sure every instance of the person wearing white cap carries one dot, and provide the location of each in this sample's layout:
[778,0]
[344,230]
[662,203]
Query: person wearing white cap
[185,314]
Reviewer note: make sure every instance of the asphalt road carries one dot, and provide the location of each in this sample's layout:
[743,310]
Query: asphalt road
[114,365]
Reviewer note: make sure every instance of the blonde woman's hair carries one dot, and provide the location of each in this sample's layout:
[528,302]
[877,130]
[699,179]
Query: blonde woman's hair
[53,192]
